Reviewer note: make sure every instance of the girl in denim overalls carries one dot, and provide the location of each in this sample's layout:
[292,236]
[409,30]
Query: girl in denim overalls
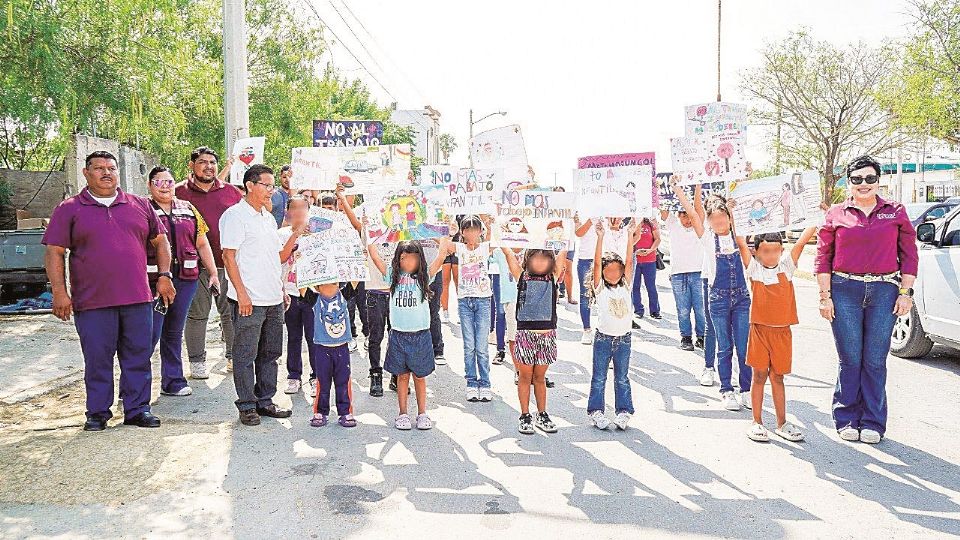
[728,299]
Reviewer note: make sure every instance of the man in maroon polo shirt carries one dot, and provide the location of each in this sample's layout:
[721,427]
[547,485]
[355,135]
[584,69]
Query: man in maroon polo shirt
[107,231]
[211,197]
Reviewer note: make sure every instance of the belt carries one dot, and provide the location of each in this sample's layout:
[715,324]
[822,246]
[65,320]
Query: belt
[893,277]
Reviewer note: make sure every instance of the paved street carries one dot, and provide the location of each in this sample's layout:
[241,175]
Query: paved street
[684,468]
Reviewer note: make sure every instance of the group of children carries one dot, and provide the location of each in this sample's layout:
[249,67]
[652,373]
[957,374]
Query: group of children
[520,301]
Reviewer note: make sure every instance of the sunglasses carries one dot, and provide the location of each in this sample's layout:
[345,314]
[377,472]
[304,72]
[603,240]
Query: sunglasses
[166,183]
[870,179]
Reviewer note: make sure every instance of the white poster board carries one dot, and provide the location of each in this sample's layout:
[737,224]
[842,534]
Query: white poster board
[613,191]
[246,153]
[465,191]
[311,169]
[720,157]
[499,148]
[777,203]
[331,252]
[715,117]
[536,219]
[403,214]
[361,169]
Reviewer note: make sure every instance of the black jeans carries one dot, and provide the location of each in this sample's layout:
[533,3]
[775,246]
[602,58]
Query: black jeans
[257,345]
[378,310]
[436,287]
[356,303]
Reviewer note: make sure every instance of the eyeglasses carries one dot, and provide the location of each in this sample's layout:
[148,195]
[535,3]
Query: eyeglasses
[270,187]
[870,179]
[166,183]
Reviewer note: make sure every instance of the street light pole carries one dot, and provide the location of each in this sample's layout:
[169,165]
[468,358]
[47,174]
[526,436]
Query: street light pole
[470,156]
[236,106]
[719,11]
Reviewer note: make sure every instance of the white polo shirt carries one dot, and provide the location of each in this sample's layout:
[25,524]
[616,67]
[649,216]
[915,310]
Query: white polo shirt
[254,235]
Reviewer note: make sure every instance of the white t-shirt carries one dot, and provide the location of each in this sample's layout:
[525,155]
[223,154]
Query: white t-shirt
[768,276]
[727,245]
[106,201]
[254,235]
[615,306]
[474,274]
[615,241]
[686,252]
[288,270]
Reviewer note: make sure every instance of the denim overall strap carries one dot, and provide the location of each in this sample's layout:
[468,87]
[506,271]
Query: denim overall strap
[729,269]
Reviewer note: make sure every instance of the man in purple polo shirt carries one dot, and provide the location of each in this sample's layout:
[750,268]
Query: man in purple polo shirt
[107,231]
[211,197]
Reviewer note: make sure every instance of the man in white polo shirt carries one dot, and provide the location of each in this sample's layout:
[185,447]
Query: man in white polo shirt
[251,257]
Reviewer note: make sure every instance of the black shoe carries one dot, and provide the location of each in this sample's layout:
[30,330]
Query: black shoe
[143,419]
[563,293]
[699,343]
[656,316]
[498,358]
[249,417]
[272,411]
[393,383]
[686,343]
[550,384]
[376,384]
[95,423]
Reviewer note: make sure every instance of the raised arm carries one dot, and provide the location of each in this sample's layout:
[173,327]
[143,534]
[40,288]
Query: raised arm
[696,217]
[347,209]
[805,237]
[291,243]
[581,228]
[698,202]
[437,262]
[598,256]
[745,254]
[378,260]
[512,263]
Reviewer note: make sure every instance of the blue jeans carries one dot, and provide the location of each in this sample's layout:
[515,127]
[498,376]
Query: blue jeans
[169,327]
[583,266]
[709,335]
[688,295]
[861,329]
[436,287]
[645,274]
[475,326]
[730,312]
[605,349]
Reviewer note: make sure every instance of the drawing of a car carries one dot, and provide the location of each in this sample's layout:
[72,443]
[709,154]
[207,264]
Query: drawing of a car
[358,165]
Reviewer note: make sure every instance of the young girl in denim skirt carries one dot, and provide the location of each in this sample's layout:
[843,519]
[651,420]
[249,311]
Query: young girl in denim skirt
[610,281]
[728,300]
[536,339]
[410,345]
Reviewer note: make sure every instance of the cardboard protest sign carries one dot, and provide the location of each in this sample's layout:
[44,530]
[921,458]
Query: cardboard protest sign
[669,201]
[612,191]
[404,214]
[720,157]
[468,191]
[499,148]
[716,117]
[624,160]
[246,152]
[536,219]
[312,168]
[361,169]
[436,175]
[777,203]
[347,132]
[330,252]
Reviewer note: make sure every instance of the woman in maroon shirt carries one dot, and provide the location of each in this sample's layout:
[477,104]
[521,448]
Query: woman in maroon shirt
[866,265]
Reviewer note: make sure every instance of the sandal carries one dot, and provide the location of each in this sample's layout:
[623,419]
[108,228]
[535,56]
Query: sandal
[403,423]
[424,421]
[347,420]
[758,433]
[318,420]
[789,432]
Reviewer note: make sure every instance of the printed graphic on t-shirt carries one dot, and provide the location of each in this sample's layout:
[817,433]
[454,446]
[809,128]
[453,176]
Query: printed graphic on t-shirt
[474,276]
[407,294]
[331,322]
[618,308]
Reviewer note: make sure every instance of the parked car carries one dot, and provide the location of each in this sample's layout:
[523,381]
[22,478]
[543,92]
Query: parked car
[935,317]
[922,212]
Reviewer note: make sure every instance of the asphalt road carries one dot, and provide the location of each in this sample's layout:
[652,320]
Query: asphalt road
[684,468]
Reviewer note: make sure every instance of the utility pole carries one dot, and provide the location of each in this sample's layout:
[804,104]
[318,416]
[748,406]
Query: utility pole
[719,11]
[236,106]
[469,153]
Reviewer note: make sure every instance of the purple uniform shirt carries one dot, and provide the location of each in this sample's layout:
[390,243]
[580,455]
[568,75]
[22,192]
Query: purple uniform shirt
[211,205]
[108,248]
[881,243]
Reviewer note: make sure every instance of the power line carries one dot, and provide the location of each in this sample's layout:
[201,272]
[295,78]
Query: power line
[360,41]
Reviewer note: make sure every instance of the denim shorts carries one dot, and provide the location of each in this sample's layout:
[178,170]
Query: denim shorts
[410,352]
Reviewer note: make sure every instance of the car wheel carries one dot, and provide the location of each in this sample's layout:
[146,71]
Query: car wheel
[908,339]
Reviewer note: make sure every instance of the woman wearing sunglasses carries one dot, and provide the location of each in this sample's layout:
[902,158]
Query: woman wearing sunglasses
[866,265]
[188,243]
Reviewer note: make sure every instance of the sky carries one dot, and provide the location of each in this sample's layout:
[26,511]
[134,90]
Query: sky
[580,78]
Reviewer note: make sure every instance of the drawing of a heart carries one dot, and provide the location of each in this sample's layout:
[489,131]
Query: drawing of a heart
[712,168]
[247,156]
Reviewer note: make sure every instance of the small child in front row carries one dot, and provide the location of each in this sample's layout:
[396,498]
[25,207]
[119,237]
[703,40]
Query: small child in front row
[410,345]
[774,309]
[331,331]
[612,287]
[536,339]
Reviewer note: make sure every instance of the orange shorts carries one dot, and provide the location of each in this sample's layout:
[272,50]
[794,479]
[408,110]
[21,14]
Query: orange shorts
[771,348]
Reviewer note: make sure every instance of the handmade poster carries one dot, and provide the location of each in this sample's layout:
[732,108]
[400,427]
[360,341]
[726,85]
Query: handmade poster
[777,203]
[330,252]
[720,157]
[387,250]
[360,169]
[347,132]
[404,214]
[246,152]
[311,169]
[669,201]
[612,191]
[625,160]
[536,219]
[436,175]
[467,191]
[716,117]
[499,148]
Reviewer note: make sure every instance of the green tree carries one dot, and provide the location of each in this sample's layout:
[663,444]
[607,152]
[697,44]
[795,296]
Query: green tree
[448,145]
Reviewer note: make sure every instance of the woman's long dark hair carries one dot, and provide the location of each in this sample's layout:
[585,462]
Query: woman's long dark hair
[414,248]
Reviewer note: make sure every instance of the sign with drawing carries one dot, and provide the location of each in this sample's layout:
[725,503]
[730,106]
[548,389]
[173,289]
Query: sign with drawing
[720,157]
[777,203]
[536,219]
[715,117]
[613,191]
[246,153]
[669,201]
[624,160]
[330,252]
[347,132]
[404,214]
[310,167]
[467,191]
[499,148]
[361,169]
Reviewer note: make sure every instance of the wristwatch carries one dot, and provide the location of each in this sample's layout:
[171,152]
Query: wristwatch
[908,291]
[169,275]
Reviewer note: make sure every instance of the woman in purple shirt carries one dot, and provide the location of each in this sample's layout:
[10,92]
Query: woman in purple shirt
[866,265]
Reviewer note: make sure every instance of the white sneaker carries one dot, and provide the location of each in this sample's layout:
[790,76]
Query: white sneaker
[849,434]
[870,436]
[198,370]
[439,360]
[707,377]
[313,388]
[730,401]
[293,386]
[745,399]
[229,367]
[366,343]
[600,420]
[587,338]
[622,420]
[789,432]
[485,395]
[758,433]
[353,345]
[183,392]
[473,394]
[492,337]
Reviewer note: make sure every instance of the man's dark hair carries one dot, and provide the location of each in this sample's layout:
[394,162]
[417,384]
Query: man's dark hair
[201,150]
[102,154]
[254,172]
[328,200]
[771,237]
[157,170]
[861,162]
[284,169]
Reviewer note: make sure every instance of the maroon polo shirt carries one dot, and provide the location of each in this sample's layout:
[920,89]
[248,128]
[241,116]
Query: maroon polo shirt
[211,205]
[108,248]
[881,243]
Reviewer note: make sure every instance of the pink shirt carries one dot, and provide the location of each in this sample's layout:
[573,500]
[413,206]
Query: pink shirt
[881,243]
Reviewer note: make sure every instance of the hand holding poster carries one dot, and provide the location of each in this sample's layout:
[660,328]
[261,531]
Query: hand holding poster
[777,203]
[499,148]
[536,219]
[246,152]
[612,191]
[669,201]
[713,158]
[331,252]
[404,214]
[716,117]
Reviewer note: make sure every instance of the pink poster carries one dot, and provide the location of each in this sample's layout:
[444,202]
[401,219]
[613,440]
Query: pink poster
[621,160]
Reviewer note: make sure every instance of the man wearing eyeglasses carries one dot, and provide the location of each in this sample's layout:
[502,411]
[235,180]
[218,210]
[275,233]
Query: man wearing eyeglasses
[211,197]
[251,257]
